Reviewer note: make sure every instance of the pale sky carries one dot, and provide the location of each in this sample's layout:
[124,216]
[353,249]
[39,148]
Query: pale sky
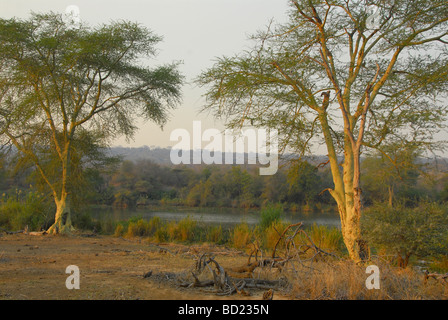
[194,31]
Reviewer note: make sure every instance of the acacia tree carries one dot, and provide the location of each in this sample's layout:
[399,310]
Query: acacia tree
[337,76]
[61,86]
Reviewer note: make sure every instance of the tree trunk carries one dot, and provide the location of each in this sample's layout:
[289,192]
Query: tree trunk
[357,248]
[62,222]
[350,208]
[391,196]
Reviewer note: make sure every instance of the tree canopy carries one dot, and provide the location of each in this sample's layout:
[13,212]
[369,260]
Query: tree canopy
[329,77]
[64,90]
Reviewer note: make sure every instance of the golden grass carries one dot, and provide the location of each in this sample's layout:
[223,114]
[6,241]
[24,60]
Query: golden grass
[343,280]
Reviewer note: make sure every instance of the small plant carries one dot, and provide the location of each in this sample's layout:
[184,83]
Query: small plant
[119,230]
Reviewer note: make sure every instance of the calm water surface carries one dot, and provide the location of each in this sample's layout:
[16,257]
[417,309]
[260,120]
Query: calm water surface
[213,216]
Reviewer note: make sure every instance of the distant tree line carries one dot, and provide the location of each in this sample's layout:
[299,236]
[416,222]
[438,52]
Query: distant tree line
[140,183]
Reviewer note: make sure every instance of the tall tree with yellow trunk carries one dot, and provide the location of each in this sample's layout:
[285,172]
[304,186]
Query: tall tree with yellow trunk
[62,87]
[344,76]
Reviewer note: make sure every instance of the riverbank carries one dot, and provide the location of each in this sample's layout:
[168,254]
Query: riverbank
[33,267]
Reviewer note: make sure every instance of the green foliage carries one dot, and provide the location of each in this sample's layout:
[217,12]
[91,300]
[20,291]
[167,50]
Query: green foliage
[270,214]
[215,234]
[421,231]
[393,176]
[43,60]
[326,238]
[31,210]
[304,183]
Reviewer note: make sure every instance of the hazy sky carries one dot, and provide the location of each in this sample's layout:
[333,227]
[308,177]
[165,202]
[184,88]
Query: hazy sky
[194,31]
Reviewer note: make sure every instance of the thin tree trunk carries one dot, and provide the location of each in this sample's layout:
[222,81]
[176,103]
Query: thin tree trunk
[63,222]
[391,196]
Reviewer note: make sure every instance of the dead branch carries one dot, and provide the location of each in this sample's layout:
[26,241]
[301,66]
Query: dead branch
[283,234]
[436,276]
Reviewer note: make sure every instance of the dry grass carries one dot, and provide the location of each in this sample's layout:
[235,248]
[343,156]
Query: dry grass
[343,280]
[241,236]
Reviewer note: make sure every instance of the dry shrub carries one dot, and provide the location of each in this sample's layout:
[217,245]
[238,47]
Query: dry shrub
[273,233]
[183,231]
[215,234]
[241,236]
[138,229]
[171,230]
[119,230]
[186,229]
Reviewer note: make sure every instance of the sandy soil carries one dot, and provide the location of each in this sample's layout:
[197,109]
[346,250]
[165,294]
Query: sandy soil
[33,267]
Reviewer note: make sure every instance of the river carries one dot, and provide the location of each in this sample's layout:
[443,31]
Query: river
[213,216]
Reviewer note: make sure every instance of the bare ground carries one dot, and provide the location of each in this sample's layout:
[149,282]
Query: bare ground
[33,267]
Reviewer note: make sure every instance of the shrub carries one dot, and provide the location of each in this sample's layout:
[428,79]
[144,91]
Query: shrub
[154,224]
[119,230]
[161,235]
[273,233]
[32,210]
[215,234]
[186,229]
[138,229]
[405,232]
[241,235]
[326,238]
[269,215]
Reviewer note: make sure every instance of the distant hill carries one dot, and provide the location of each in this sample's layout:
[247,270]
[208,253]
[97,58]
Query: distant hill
[162,156]
[154,154]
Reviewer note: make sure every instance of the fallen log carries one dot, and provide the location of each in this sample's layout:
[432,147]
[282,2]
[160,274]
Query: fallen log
[249,268]
[11,232]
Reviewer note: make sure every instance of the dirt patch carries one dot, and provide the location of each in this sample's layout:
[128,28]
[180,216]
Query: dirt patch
[33,267]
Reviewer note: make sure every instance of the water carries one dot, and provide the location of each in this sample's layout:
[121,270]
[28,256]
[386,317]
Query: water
[213,216]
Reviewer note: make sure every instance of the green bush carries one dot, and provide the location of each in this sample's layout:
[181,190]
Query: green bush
[326,238]
[215,234]
[269,215]
[32,211]
[405,232]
